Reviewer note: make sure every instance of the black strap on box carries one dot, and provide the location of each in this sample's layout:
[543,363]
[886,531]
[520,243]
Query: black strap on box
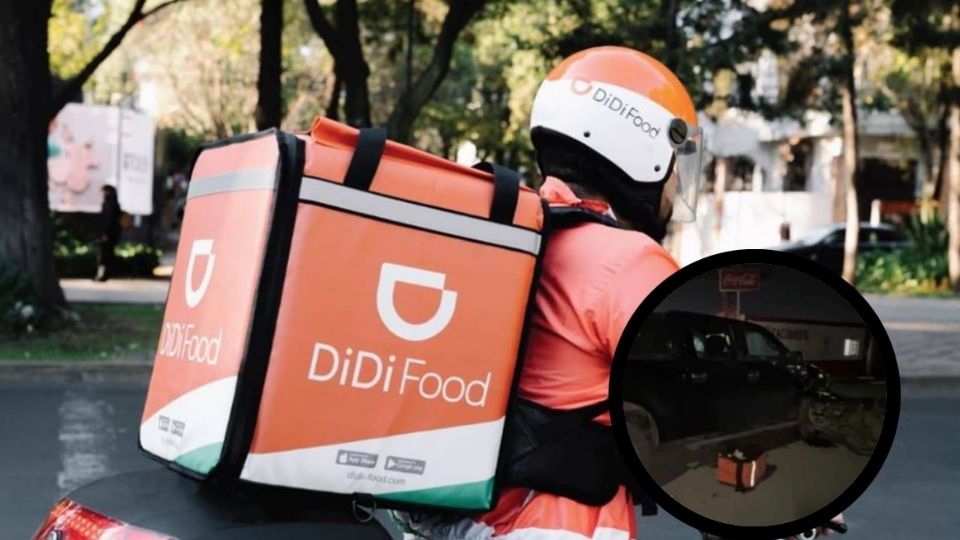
[369,151]
[366,158]
[506,191]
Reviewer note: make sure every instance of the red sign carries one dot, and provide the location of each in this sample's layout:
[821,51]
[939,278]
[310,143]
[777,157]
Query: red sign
[739,279]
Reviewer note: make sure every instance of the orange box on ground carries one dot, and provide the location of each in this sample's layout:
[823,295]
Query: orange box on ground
[742,473]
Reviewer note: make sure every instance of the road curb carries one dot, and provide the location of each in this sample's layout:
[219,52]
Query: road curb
[930,386]
[72,372]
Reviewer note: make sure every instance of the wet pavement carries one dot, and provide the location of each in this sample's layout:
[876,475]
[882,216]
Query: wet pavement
[56,437]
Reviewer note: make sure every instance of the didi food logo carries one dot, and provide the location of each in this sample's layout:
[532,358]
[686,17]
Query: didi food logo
[390,275]
[200,248]
[580,87]
[397,373]
[182,339]
[606,96]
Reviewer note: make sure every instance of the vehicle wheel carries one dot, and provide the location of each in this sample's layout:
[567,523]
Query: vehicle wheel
[863,432]
[642,428]
[808,422]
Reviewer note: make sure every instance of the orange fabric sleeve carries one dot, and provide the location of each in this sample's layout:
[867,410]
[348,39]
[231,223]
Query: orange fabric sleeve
[640,272]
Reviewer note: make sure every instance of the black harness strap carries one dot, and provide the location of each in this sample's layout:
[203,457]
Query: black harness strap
[564,420]
[571,216]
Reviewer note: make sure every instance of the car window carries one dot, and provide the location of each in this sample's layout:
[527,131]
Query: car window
[816,236]
[760,345]
[712,340]
[885,235]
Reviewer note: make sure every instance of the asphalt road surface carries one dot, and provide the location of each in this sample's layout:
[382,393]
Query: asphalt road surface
[55,438]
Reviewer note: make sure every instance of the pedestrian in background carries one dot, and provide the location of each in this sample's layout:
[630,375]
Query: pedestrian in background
[109,233]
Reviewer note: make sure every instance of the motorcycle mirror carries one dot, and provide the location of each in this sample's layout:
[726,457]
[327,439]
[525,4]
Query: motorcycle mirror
[733,446]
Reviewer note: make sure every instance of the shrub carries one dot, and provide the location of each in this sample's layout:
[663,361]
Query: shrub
[78,259]
[919,268]
[74,258]
[136,260]
[19,311]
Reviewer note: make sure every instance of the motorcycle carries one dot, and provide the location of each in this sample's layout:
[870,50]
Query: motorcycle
[159,504]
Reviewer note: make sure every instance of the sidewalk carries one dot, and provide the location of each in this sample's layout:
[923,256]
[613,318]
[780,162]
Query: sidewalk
[925,333]
[121,290]
[116,291]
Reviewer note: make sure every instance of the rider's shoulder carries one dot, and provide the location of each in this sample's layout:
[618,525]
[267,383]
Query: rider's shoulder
[610,244]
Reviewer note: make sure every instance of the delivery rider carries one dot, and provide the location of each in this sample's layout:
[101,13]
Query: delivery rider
[619,148]
[618,145]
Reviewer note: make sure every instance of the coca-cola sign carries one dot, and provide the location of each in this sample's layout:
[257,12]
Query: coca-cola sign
[739,279]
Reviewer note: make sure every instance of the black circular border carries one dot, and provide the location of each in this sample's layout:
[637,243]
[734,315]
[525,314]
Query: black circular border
[859,485]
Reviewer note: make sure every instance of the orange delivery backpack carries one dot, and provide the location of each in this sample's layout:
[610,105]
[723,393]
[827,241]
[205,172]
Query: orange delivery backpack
[346,315]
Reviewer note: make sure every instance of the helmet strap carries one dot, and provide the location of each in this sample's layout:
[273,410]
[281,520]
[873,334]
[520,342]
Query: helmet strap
[638,203]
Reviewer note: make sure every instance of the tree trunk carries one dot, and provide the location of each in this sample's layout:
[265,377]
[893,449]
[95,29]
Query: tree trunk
[953,178]
[850,183]
[671,34]
[331,39]
[26,233]
[925,153]
[269,101]
[333,105]
[941,188]
[350,65]
[411,33]
[400,123]
[848,93]
[719,188]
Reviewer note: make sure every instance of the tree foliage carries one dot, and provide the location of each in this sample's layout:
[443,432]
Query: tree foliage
[439,73]
[93,58]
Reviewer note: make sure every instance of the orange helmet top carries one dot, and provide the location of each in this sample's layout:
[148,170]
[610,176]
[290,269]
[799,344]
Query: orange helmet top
[632,70]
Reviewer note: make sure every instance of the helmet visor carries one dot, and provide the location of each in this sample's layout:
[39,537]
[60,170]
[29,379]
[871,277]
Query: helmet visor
[688,166]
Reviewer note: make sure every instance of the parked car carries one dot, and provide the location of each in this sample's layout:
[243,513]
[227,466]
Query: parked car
[691,374]
[825,245]
[159,504]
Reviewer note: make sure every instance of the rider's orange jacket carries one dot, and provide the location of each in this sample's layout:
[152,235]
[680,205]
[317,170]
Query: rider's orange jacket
[593,279]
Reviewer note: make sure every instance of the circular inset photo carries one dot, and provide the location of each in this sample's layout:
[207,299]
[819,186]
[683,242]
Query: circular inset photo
[755,395]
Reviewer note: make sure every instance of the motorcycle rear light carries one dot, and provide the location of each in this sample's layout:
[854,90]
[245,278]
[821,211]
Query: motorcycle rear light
[71,521]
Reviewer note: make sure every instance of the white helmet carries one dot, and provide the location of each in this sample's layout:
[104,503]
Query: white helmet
[631,110]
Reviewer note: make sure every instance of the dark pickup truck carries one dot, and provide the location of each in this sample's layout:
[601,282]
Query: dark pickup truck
[691,374]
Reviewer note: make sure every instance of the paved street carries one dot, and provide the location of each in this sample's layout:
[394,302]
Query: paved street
[56,437]
[925,333]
